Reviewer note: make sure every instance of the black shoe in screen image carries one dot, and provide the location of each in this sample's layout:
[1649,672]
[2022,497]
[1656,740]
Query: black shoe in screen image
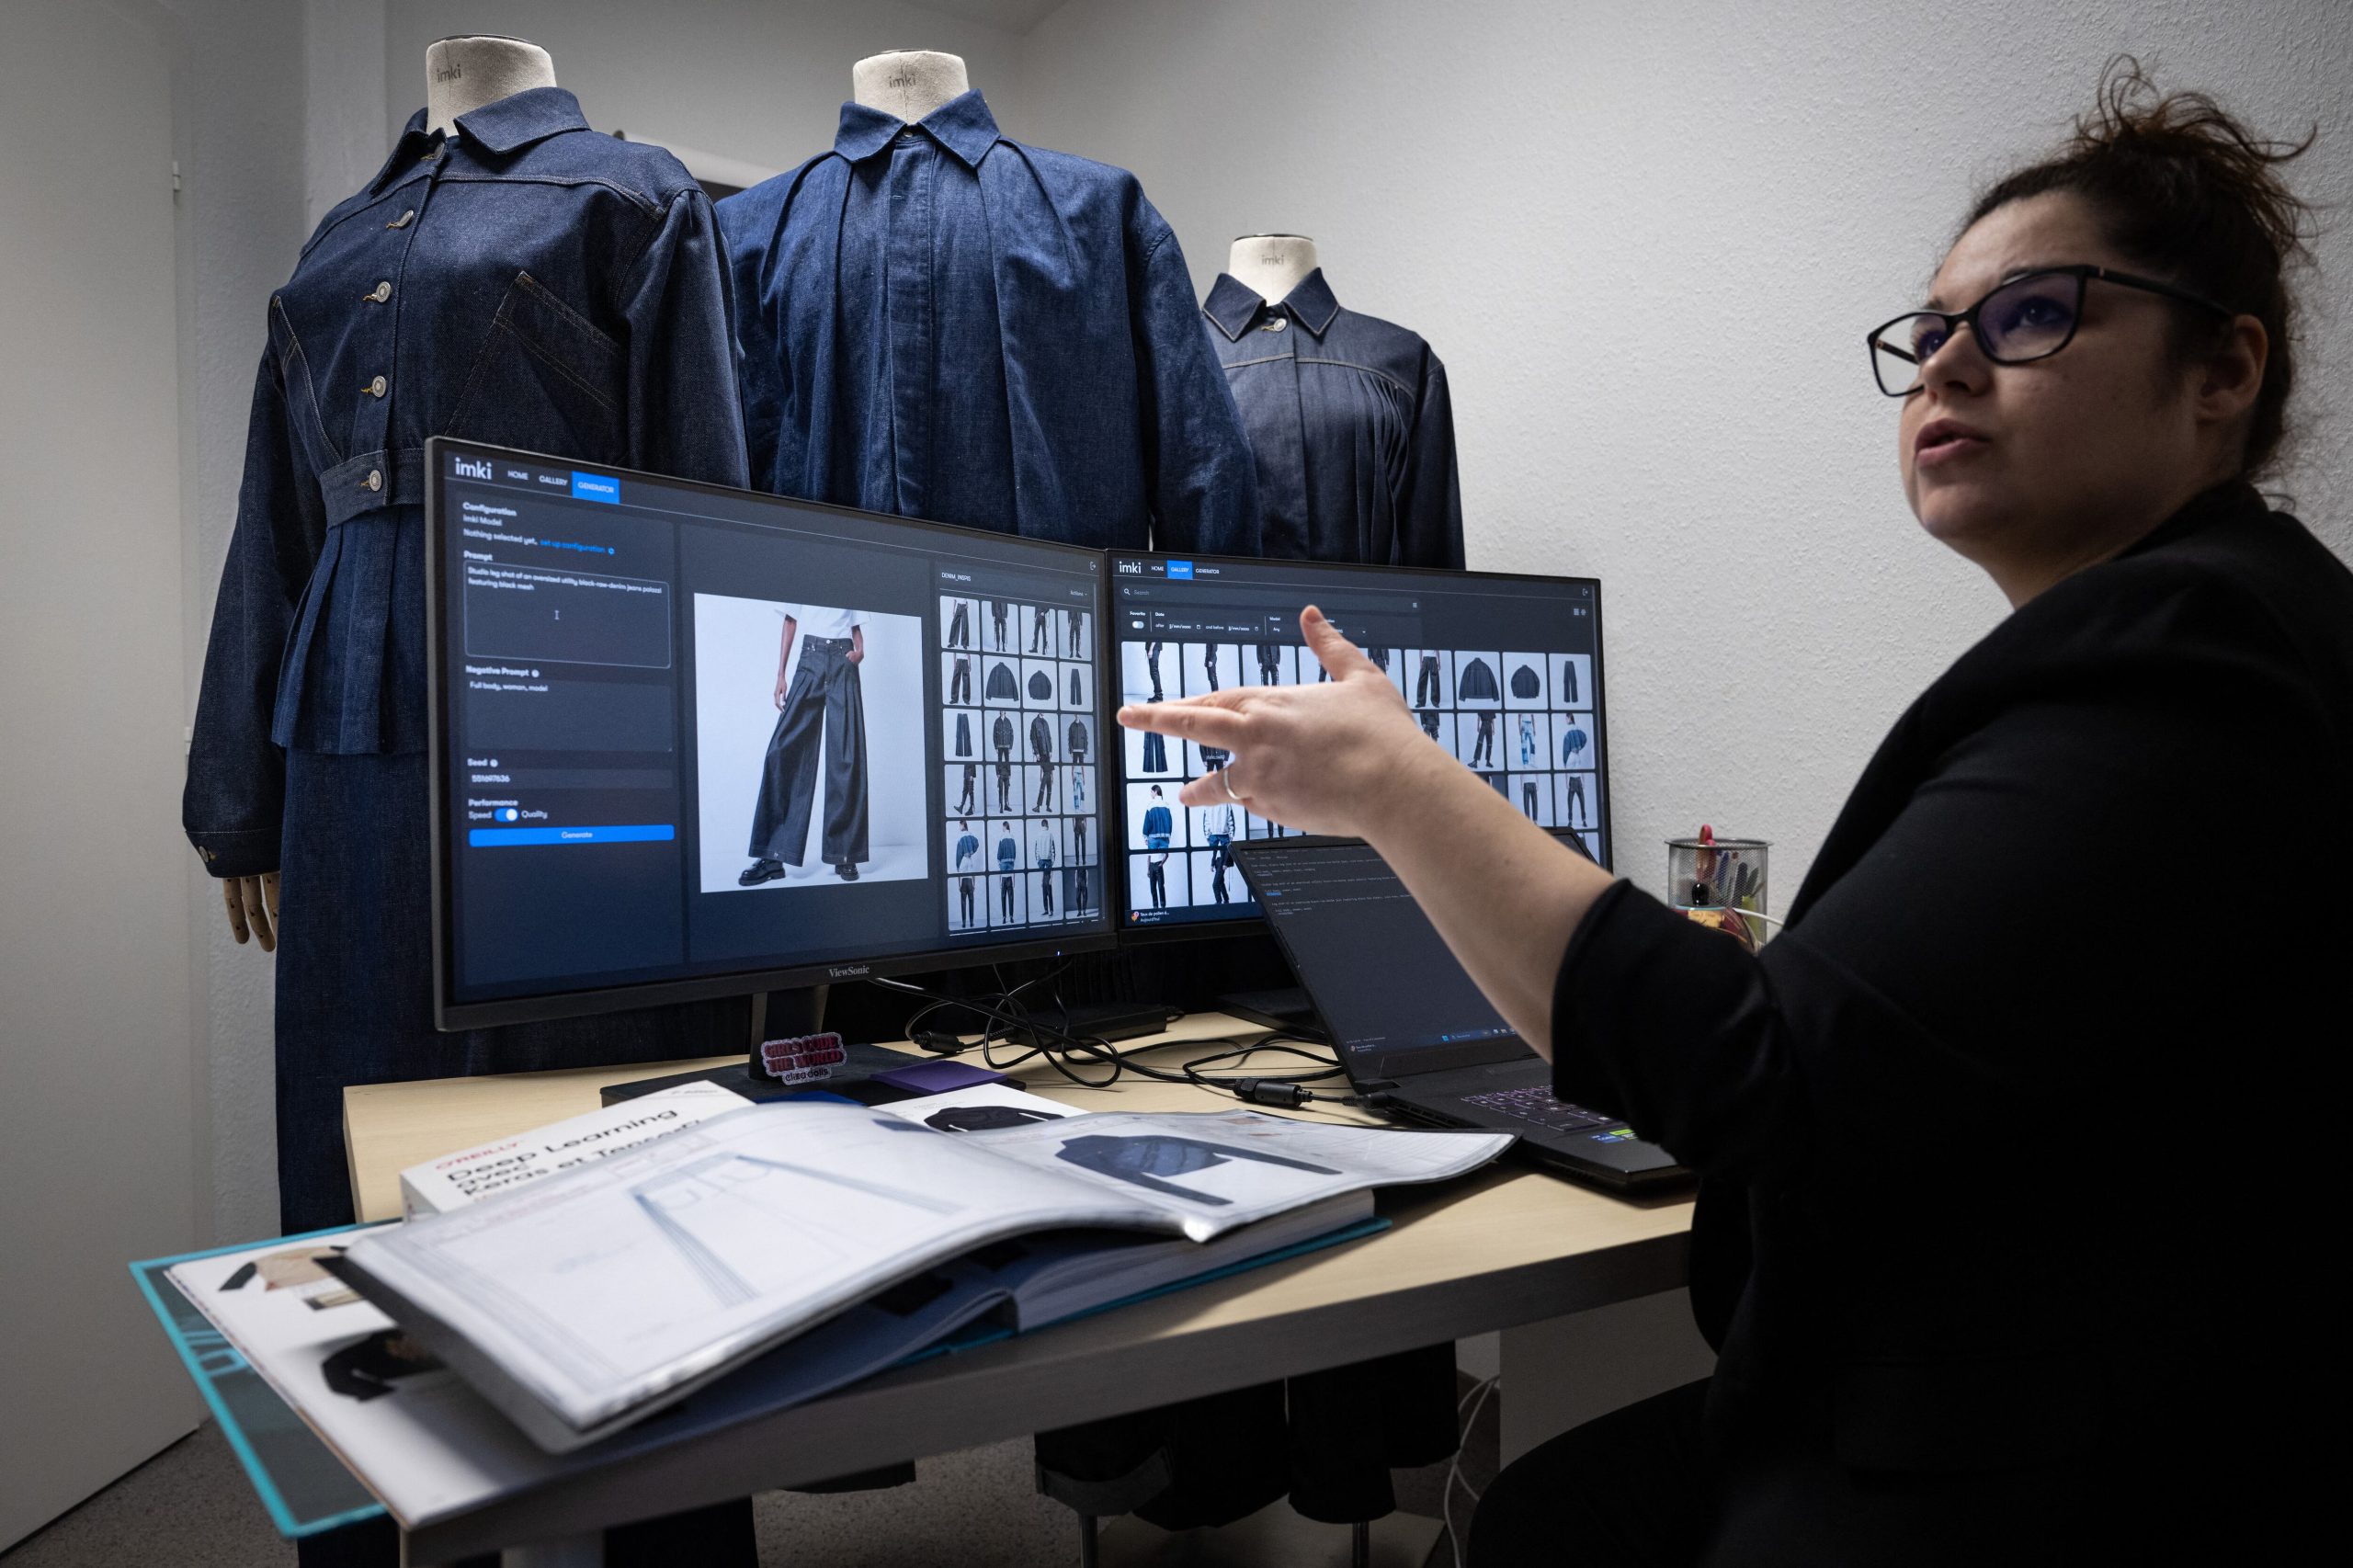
[847,870]
[760,871]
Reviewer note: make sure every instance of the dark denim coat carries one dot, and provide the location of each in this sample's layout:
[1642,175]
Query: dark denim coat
[938,322]
[1351,424]
[530,282]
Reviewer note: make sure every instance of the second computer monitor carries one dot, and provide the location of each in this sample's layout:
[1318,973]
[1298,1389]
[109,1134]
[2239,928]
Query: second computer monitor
[1503,671]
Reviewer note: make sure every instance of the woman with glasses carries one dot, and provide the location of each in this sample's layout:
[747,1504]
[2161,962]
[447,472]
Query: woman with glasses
[2010,1142]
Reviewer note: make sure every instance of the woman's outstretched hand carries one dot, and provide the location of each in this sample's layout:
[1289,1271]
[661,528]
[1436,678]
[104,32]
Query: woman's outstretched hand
[1321,758]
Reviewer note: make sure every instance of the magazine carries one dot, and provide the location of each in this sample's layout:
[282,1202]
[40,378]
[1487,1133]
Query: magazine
[592,1299]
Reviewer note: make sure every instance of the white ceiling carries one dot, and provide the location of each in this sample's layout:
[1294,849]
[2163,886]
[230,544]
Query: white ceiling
[1012,15]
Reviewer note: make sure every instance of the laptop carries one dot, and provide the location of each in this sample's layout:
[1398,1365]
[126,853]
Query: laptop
[1415,1035]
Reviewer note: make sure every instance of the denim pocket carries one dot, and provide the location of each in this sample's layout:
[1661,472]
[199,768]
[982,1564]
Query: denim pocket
[546,379]
[301,396]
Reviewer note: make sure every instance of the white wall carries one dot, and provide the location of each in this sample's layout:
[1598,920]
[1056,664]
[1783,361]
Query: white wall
[1647,240]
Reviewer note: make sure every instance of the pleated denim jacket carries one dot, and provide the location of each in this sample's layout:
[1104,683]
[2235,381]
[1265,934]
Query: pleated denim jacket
[528,282]
[939,322]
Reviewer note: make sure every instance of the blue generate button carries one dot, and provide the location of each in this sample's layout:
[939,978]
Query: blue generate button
[1180,569]
[595,487]
[638,833]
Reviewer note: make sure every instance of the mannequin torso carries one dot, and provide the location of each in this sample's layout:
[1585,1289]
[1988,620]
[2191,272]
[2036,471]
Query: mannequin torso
[463,73]
[908,83]
[1271,265]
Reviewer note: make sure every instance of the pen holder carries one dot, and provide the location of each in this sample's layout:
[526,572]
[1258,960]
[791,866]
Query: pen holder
[1720,883]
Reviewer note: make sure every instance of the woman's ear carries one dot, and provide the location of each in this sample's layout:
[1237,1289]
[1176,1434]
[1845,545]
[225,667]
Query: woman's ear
[2233,377]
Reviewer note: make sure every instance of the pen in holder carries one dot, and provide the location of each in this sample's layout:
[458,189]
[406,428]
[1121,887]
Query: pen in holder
[1719,882]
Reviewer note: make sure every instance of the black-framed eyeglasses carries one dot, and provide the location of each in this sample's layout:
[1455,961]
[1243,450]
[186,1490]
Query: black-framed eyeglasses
[2030,317]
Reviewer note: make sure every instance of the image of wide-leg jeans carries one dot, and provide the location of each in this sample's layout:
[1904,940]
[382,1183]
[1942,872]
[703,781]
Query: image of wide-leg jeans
[823,713]
[959,683]
[1425,683]
[959,627]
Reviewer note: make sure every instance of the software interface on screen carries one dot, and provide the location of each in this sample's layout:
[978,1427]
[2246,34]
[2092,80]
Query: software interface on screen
[1502,671]
[1381,976]
[690,732]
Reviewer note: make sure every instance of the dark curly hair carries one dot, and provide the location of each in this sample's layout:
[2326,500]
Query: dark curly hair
[2190,194]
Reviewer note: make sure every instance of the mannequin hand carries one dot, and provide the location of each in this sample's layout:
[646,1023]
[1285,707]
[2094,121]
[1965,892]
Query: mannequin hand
[1322,758]
[253,908]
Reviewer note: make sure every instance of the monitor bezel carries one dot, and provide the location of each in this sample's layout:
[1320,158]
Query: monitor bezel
[1128,933]
[449,1014]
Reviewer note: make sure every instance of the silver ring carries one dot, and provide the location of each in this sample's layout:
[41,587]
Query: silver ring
[1225,777]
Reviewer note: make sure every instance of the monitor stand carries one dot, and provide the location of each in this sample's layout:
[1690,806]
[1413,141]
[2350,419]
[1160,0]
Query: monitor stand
[777,1015]
[1286,1009]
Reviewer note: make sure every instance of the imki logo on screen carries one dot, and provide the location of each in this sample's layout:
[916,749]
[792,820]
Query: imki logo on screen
[470,467]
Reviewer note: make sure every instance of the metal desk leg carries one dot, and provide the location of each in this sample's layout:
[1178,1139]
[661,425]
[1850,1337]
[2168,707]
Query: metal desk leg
[1090,1550]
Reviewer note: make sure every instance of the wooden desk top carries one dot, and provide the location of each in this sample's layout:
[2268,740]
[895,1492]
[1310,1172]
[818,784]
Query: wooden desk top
[1508,1246]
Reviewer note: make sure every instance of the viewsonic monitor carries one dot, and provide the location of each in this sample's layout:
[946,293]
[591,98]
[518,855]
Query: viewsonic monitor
[692,742]
[1502,670]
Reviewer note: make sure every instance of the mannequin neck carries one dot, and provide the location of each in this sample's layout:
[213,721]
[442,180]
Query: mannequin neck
[463,73]
[1271,265]
[908,84]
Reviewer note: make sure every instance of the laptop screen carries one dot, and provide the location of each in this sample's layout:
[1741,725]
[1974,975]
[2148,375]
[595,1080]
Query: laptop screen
[1382,979]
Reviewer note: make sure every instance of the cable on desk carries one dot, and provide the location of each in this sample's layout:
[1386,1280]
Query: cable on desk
[1011,1019]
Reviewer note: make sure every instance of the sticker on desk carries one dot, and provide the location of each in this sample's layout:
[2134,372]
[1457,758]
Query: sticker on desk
[803,1059]
[1615,1135]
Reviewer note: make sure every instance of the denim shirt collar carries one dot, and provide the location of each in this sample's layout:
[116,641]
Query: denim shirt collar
[962,125]
[1235,307]
[517,121]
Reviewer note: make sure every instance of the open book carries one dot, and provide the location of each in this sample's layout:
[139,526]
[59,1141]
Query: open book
[590,1300]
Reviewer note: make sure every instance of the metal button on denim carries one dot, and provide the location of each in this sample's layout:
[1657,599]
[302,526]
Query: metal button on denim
[381,293]
[375,480]
[376,387]
[1277,324]
[1073,398]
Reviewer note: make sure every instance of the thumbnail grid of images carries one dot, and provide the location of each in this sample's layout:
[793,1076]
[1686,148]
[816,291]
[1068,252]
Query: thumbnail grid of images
[1521,721]
[1022,833]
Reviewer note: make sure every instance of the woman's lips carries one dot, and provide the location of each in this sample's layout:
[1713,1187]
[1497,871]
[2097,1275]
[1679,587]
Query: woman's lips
[1944,441]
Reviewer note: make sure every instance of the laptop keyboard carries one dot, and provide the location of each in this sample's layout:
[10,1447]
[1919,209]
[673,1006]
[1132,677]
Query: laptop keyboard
[1536,1104]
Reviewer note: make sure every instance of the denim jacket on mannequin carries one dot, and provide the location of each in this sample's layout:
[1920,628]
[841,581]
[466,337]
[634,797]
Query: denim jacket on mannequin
[942,322]
[1351,425]
[454,295]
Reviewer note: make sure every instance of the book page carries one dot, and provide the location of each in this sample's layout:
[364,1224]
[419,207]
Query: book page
[599,1290]
[1215,1170]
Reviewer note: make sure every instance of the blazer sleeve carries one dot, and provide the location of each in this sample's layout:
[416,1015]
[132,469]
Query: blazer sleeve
[234,805]
[1200,474]
[1429,523]
[2052,902]
[685,409]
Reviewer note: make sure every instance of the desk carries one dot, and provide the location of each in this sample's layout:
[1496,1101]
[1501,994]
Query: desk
[1505,1248]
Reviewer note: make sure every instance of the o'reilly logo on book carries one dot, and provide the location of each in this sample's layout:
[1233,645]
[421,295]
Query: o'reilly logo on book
[470,467]
[849,971]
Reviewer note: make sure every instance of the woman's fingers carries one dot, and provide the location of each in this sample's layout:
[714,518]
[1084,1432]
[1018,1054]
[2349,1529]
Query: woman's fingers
[1207,790]
[1218,726]
[1339,657]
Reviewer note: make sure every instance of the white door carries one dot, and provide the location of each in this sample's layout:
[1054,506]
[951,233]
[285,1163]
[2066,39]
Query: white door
[96,1157]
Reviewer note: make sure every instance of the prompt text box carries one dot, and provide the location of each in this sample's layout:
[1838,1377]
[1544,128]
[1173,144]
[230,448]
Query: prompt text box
[553,614]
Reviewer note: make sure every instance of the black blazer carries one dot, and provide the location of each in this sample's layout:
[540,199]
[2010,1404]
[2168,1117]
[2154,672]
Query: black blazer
[2011,1142]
